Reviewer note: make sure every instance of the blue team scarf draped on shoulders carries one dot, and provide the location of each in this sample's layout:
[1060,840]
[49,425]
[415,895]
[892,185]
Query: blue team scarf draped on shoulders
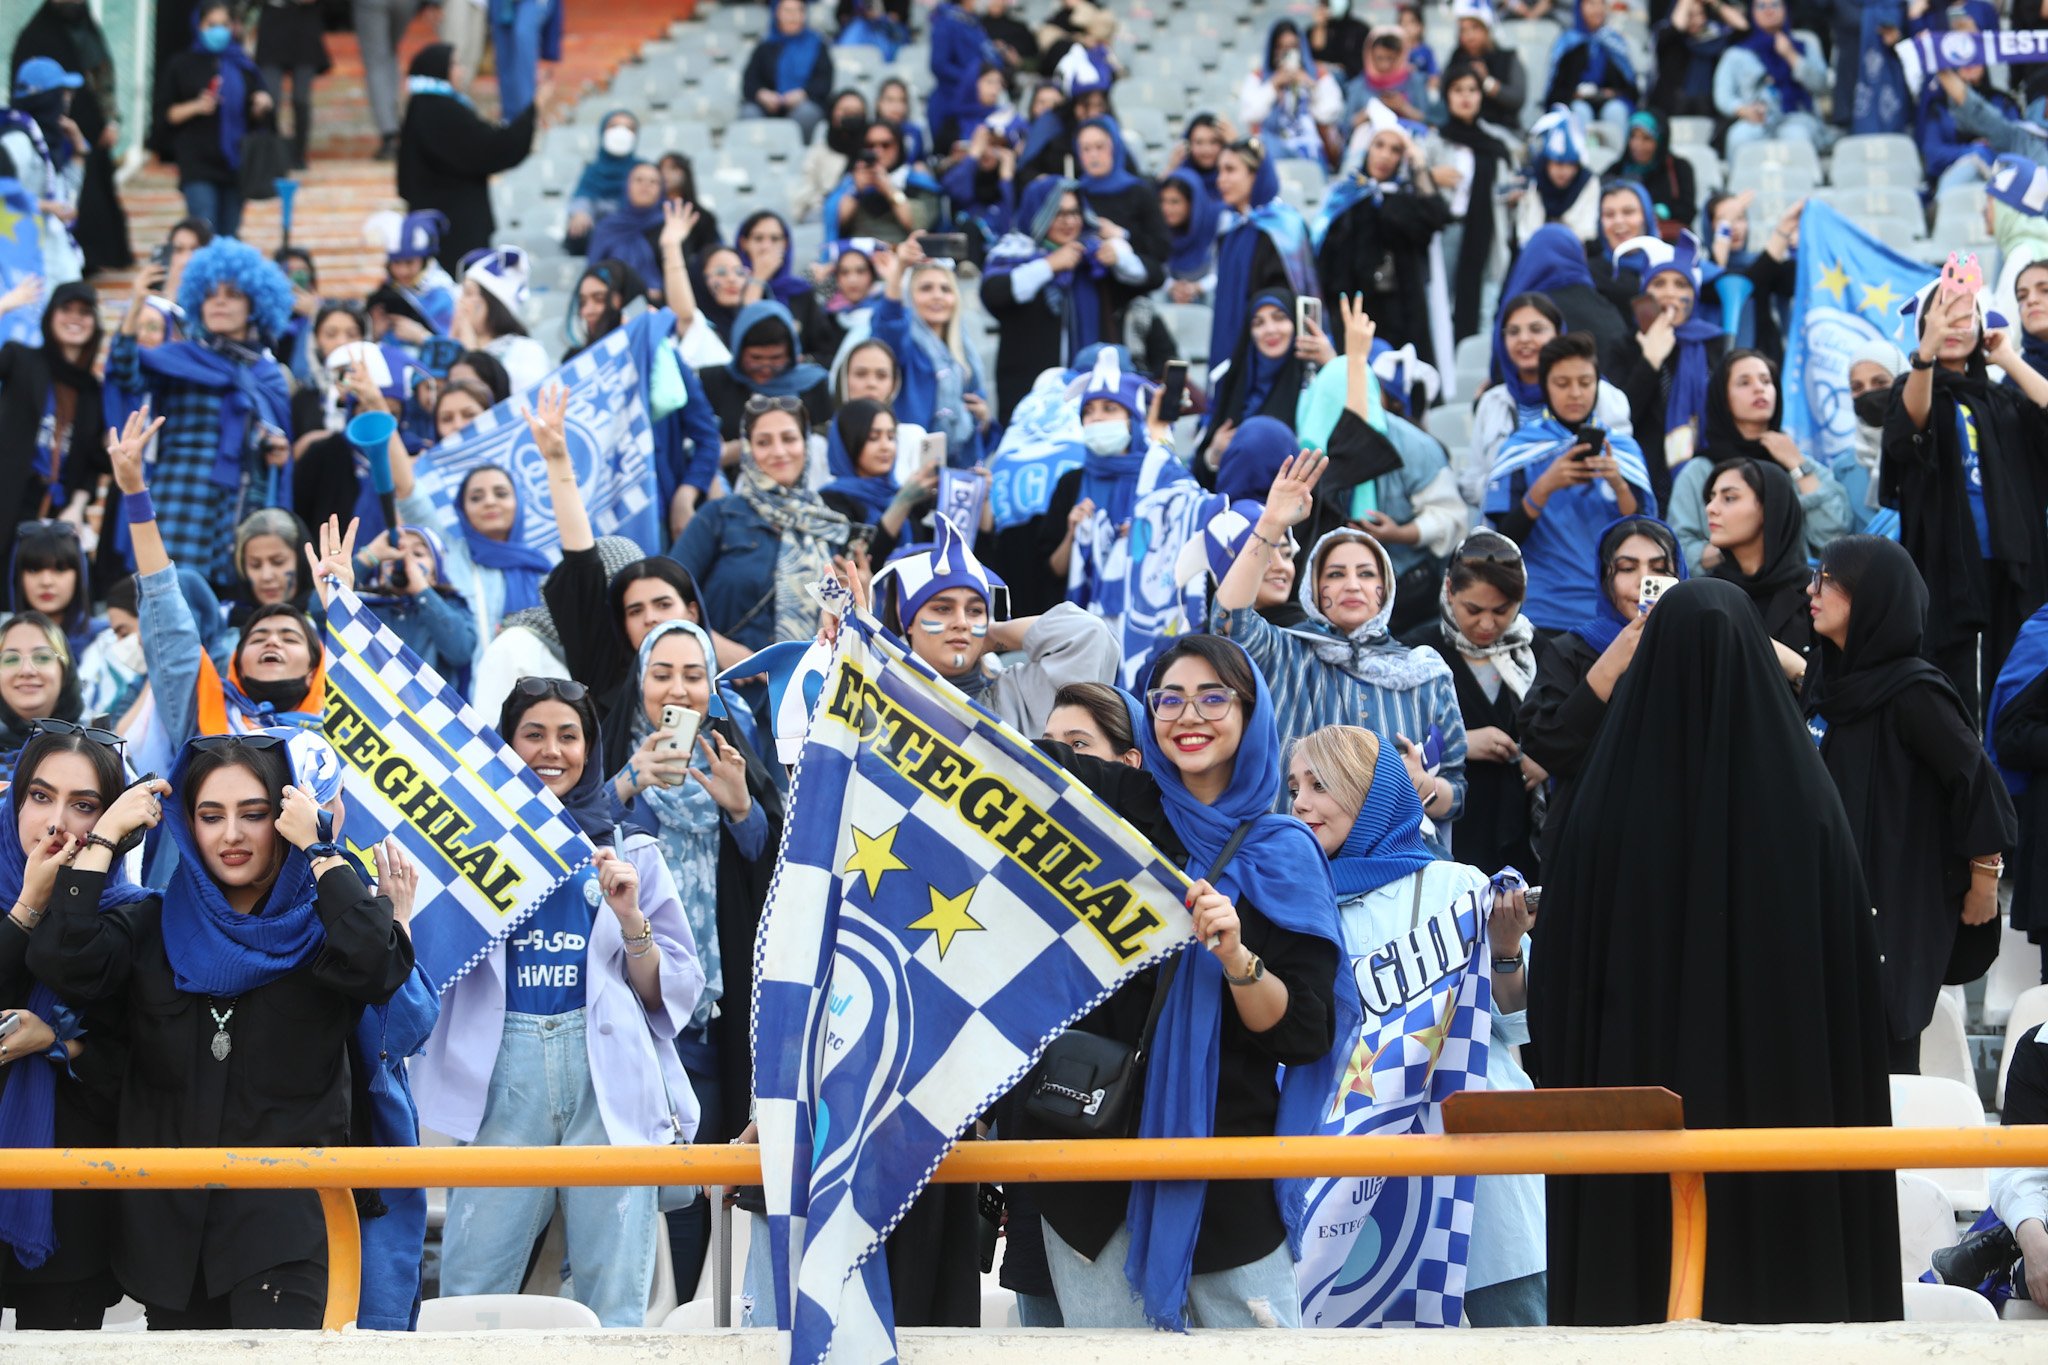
[1194,246]
[1532,447]
[251,387]
[796,54]
[28,1106]
[1385,842]
[435,85]
[874,492]
[1280,870]
[214,949]
[1281,224]
[1605,48]
[2027,661]
[1080,310]
[522,565]
[1793,98]
[238,76]
[1606,622]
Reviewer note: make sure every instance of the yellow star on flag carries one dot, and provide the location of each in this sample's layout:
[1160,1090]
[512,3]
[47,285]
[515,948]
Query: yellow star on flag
[1358,1075]
[1835,279]
[1433,1037]
[1880,298]
[874,854]
[948,917]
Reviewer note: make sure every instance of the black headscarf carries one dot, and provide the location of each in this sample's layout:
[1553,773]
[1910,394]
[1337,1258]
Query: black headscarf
[1723,439]
[1683,946]
[433,61]
[1778,587]
[1887,624]
[1491,151]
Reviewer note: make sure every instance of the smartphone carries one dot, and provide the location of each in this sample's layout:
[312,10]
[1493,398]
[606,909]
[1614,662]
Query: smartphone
[1307,309]
[1533,898]
[933,451]
[161,256]
[1962,275]
[860,538]
[1595,438]
[1173,390]
[10,1023]
[1654,586]
[944,246]
[1647,311]
[683,722]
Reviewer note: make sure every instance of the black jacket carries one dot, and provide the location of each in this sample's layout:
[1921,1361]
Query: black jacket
[195,144]
[447,154]
[1381,251]
[760,75]
[2022,742]
[285,1083]
[1495,830]
[1559,720]
[1032,339]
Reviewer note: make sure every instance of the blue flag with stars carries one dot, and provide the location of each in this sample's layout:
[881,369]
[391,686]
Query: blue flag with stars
[1851,287]
[1381,1251]
[946,901]
[21,255]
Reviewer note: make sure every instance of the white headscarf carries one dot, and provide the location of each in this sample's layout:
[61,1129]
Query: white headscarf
[1369,653]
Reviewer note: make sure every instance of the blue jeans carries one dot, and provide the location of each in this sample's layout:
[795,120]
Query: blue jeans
[1511,1303]
[220,205]
[1037,1310]
[517,48]
[689,1229]
[541,1096]
[1096,1294]
[757,1281]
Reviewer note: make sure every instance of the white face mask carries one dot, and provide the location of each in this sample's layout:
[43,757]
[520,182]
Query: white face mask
[1107,438]
[125,652]
[619,140]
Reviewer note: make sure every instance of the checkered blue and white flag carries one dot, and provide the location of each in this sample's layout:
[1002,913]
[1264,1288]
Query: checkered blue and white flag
[422,767]
[1382,1251]
[946,901]
[611,443]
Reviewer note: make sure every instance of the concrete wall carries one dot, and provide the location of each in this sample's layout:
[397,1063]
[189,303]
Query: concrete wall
[1696,1344]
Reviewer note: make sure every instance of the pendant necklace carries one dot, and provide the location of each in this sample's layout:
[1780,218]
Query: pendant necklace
[222,1044]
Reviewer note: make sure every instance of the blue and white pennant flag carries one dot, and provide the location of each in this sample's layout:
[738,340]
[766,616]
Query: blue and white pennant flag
[610,434]
[946,901]
[1382,1251]
[421,766]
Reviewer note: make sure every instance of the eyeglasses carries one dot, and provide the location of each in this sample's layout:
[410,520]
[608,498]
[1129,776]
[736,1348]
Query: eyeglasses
[1059,214]
[13,659]
[1823,579]
[565,689]
[1213,704]
[53,726]
[209,743]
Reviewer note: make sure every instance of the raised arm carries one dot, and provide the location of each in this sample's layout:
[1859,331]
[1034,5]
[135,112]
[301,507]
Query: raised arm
[572,520]
[1287,506]
[678,221]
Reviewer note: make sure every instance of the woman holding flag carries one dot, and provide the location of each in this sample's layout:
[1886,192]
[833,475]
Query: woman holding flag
[1254,1030]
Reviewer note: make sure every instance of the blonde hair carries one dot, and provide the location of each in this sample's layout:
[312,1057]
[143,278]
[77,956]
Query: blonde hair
[1343,758]
[954,335]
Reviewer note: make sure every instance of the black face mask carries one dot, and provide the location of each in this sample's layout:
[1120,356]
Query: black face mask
[846,135]
[1871,406]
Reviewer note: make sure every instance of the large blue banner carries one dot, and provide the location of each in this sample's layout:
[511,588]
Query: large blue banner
[611,443]
[1850,290]
[946,902]
[419,765]
[21,255]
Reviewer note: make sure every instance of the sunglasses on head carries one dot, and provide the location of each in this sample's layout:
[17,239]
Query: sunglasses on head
[53,726]
[564,689]
[208,743]
[762,402]
[1489,547]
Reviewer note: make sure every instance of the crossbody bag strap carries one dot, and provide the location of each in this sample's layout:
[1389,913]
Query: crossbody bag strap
[1173,963]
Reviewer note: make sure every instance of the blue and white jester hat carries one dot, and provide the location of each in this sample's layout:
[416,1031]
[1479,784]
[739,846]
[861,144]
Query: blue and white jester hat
[1079,72]
[315,765]
[1557,137]
[1481,10]
[1111,379]
[1650,257]
[418,236]
[501,272]
[2019,184]
[924,571]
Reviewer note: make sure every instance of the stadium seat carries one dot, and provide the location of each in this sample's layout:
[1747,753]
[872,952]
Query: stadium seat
[1881,175]
[1190,323]
[1900,234]
[1946,1303]
[1690,130]
[1927,1224]
[1707,171]
[2016,969]
[999,1310]
[856,63]
[2030,1009]
[506,1313]
[1937,1102]
[1944,1048]
[1871,202]
[1474,360]
[1451,423]
[1777,153]
[773,139]
[1780,178]
[742,1242]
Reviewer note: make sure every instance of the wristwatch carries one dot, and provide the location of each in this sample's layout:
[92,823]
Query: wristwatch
[1255,974]
[1917,363]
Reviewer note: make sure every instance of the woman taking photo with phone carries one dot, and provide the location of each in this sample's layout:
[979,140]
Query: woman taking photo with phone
[1932,819]
[1578,669]
[62,1088]
[1255,1029]
[1559,480]
[589,992]
[239,985]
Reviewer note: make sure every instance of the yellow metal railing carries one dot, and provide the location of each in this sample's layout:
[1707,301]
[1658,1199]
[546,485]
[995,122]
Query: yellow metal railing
[1686,1156]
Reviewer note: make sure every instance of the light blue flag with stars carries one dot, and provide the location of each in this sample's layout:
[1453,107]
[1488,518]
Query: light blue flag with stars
[1380,1251]
[1850,289]
[946,901]
[21,255]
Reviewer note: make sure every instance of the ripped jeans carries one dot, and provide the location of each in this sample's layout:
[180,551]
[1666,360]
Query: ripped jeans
[1096,1294]
[541,1096]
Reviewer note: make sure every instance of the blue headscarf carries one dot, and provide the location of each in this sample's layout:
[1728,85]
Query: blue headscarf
[1607,622]
[1603,46]
[213,948]
[1687,399]
[1193,248]
[1263,370]
[28,1107]
[1258,449]
[1385,842]
[785,285]
[1552,259]
[522,565]
[238,76]
[1236,253]
[1642,193]
[802,375]
[795,54]
[1079,309]
[621,236]
[874,492]
[605,177]
[1793,98]
[2027,661]
[1120,177]
[1281,870]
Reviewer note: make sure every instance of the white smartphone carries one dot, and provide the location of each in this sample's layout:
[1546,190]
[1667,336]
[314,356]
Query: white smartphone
[683,723]
[10,1023]
[1653,587]
[934,448]
[1308,309]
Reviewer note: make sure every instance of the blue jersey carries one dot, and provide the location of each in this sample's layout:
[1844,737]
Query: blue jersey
[546,956]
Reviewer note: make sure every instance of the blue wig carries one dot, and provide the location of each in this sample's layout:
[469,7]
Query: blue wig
[227,261]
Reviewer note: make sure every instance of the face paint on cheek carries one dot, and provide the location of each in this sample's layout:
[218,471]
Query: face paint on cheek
[931,627]
[978,631]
